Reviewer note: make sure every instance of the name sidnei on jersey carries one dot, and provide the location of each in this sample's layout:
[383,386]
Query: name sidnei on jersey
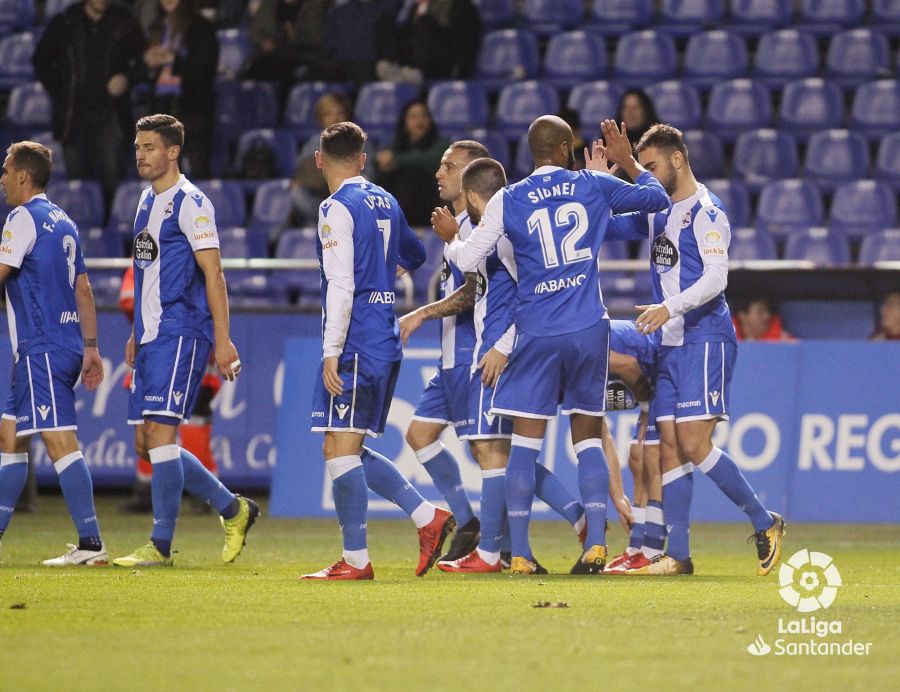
[559,190]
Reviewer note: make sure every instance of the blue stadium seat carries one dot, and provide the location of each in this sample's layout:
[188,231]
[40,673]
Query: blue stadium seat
[100,242]
[299,243]
[759,16]
[54,7]
[82,200]
[836,156]
[809,105]
[106,286]
[521,103]
[887,163]
[507,56]
[234,49]
[379,104]
[643,57]
[713,56]
[857,56]
[15,60]
[546,17]
[706,154]
[300,111]
[749,243]
[457,105]
[574,57]
[764,155]
[496,13]
[863,206]
[613,251]
[825,246]
[617,17]
[271,207]
[255,289]
[495,142]
[825,17]
[124,205]
[736,106]
[16,15]
[786,55]
[281,143]
[59,161]
[240,106]
[876,109]
[881,246]
[523,164]
[595,102]
[735,199]
[233,242]
[676,103]
[885,16]
[29,108]
[227,198]
[785,205]
[426,279]
[686,17]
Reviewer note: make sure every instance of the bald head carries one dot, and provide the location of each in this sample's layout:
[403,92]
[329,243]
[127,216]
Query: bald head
[551,139]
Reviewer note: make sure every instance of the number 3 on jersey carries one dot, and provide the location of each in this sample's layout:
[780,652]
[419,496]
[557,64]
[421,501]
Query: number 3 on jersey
[573,214]
[71,253]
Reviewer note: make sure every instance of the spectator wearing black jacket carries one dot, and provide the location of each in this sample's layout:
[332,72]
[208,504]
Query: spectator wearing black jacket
[87,60]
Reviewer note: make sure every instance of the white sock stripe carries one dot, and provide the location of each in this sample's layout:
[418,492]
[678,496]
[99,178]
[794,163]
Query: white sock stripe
[160,455]
[62,464]
[338,466]
[10,459]
[653,515]
[527,442]
[493,473]
[711,459]
[639,514]
[673,475]
[588,444]
[428,453]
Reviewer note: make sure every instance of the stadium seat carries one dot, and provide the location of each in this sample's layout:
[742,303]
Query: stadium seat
[234,49]
[271,208]
[521,103]
[617,17]
[759,16]
[54,7]
[379,105]
[764,155]
[836,156]
[281,143]
[686,17]
[676,103]
[643,57]
[857,56]
[885,16]
[736,106]
[881,246]
[457,105]
[124,204]
[100,242]
[595,102]
[496,13]
[876,109]
[887,164]
[507,56]
[29,108]
[825,17]
[784,56]
[227,198]
[16,15]
[255,289]
[574,57]
[785,205]
[15,60]
[299,243]
[82,200]
[749,243]
[824,246]
[547,17]
[59,161]
[300,111]
[240,106]
[735,199]
[706,154]
[523,163]
[106,286]
[861,207]
[495,142]
[809,105]
[233,242]
[613,251]
[713,56]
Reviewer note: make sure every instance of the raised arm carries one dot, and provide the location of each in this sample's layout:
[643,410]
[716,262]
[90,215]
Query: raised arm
[631,226]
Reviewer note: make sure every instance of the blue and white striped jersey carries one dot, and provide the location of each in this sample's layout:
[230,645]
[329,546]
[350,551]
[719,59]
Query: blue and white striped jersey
[625,338]
[169,287]
[457,331]
[495,300]
[41,243]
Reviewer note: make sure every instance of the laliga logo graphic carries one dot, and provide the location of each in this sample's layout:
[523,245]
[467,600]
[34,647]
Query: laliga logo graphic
[809,581]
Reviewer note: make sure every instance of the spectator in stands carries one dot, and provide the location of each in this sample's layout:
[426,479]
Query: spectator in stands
[182,61]
[287,40]
[756,320]
[87,60]
[351,42]
[888,318]
[223,13]
[573,120]
[636,110]
[407,167]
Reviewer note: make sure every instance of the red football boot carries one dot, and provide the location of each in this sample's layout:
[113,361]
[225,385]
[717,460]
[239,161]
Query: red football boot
[619,565]
[342,571]
[432,537]
[637,564]
[469,564]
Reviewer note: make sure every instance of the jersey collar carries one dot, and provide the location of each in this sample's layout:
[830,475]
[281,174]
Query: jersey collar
[170,191]
[689,202]
[355,180]
[545,170]
[39,195]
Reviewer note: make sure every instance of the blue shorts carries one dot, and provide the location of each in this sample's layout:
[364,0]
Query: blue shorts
[42,397]
[446,400]
[693,381]
[168,372]
[484,424]
[651,434]
[545,372]
[364,404]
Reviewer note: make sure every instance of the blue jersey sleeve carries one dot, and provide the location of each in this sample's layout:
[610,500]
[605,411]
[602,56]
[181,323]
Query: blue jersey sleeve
[645,195]
[412,249]
[631,226]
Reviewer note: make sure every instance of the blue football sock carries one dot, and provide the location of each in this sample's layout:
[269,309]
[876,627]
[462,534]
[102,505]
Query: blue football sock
[351,499]
[677,491]
[198,481]
[78,492]
[549,489]
[721,469]
[385,479]
[13,475]
[444,471]
[654,529]
[520,491]
[493,509]
[593,482]
[166,486]
[505,538]
[636,537]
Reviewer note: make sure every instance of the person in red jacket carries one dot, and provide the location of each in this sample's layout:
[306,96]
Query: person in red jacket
[756,320]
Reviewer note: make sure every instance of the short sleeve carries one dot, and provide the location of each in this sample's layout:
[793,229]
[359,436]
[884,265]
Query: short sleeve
[197,220]
[80,267]
[19,234]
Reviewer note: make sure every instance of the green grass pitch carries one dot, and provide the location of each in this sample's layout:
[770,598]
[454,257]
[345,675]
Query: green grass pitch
[252,625]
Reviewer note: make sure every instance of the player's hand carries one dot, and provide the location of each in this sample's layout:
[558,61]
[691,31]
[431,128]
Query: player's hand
[595,158]
[623,508]
[444,224]
[492,364]
[618,146]
[408,324]
[129,351]
[91,369]
[117,85]
[401,271]
[333,383]
[652,317]
[227,360]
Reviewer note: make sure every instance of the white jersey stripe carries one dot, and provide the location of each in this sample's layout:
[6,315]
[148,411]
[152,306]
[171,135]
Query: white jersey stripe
[52,393]
[353,396]
[31,391]
[174,372]
[190,375]
[706,375]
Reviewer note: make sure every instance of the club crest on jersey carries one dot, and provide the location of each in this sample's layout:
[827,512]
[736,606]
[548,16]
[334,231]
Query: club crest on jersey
[687,218]
[145,249]
[167,212]
[664,253]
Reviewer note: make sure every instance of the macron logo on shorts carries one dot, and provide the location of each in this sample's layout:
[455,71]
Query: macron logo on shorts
[177,396]
[341,410]
[43,410]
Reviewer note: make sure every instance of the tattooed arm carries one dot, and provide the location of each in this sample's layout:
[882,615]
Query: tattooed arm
[459,301]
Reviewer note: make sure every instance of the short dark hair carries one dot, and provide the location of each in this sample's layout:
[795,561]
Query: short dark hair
[344,140]
[33,158]
[664,137]
[484,177]
[475,150]
[170,128]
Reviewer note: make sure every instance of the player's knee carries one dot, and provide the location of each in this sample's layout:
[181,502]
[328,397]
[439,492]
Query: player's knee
[328,447]
[694,449]
[418,437]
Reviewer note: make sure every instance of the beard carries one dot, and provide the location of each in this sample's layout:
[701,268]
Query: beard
[474,214]
[670,182]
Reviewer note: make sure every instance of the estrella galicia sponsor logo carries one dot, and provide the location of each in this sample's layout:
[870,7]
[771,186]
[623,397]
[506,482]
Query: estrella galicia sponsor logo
[664,254]
[480,286]
[145,249]
[445,272]
[385,297]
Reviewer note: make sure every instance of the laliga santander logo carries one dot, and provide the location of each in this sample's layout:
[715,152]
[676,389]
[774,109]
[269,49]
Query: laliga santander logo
[809,581]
